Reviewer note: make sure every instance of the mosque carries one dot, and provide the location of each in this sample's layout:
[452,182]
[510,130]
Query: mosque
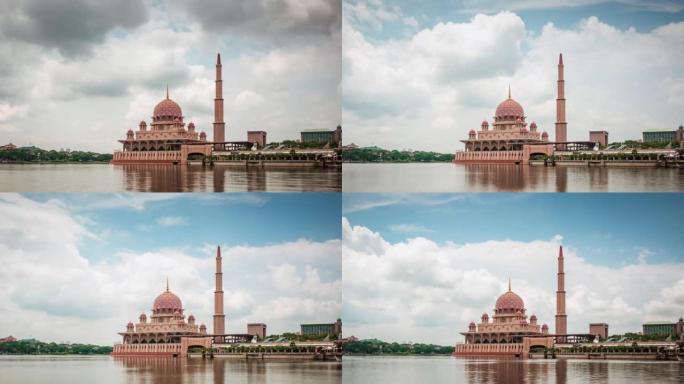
[509,333]
[510,140]
[168,140]
[168,332]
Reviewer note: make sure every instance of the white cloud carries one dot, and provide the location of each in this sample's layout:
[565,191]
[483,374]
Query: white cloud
[51,290]
[409,228]
[419,290]
[170,221]
[443,80]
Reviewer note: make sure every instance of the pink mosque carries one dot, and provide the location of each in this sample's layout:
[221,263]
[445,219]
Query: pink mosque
[168,332]
[510,333]
[168,140]
[510,140]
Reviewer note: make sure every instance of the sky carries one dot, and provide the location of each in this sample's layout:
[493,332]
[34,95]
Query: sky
[419,268]
[79,73]
[78,267]
[421,74]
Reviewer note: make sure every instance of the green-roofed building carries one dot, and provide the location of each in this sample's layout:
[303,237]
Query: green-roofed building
[323,136]
[664,327]
[663,136]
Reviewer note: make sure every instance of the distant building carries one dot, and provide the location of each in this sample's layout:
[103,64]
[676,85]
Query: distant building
[664,328]
[323,136]
[258,137]
[663,136]
[8,147]
[258,330]
[599,329]
[600,137]
[331,329]
[8,339]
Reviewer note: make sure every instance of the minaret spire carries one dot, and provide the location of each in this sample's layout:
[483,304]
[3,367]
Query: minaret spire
[219,125]
[561,317]
[167,283]
[167,91]
[561,124]
[509,91]
[509,284]
[219,317]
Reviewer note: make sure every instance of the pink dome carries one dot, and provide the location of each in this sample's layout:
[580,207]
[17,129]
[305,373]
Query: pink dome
[203,326]
[545,134]
[533,317]
[130,132]
[545,326]
[191,126]
[167,108]
[485,123]
[472,132]
[167,300]
[130,324]
[533,125]
[509,108]
[509,301]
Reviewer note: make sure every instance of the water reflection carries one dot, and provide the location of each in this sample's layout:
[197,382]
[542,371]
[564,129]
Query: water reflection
[159,370]
[447,177]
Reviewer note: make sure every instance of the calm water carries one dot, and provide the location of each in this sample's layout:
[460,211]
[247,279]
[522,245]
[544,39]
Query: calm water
[106,369]
[447,177]
[164,178]
[380,370]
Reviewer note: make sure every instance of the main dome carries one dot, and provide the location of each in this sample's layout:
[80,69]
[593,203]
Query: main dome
[167,300]
[509,109]
[510,301]
[167,108]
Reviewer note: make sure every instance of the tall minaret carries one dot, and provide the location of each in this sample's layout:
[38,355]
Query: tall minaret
[561,317]
[219,125]
[561,124]
[219,317]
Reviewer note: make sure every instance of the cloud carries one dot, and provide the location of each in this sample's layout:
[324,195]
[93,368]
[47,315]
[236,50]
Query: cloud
[443,80]
[72,27]
[409,228]
[46,277]
[419,290]
[170,221]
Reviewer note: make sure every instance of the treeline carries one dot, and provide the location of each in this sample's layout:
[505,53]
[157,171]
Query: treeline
[378,347]
[643,145]
[289,336]
[375,154]
[33,154]
[33,347]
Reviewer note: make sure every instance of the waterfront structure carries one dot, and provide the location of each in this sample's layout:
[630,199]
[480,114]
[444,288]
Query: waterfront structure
[257,137]
[509,333]
[599,329]
[561,317]
[168,140]
[510,140]
[600,137]
[332,138]
[8,147]
[219,317]
[330,329]
[561,124]
[663,135]
[664,328]
[165,334]
[258,330]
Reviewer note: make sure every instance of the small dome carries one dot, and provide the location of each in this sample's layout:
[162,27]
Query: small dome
[533,125]
[510,301]
[202,326]
[130,324]
[485,123]
[533,317]
[472,132]
[130,132]
[545,326]
[143,123]
[191,126]
[545,134]
[509,108]
[191,317]
[168,300]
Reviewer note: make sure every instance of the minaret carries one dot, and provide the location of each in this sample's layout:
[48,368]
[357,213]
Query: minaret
[561,124]
[561,317]
[219,125]
[219,317]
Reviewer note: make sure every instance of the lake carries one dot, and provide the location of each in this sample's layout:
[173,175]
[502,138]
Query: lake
[109,370]
[448,177]
[380,370]
[165,178]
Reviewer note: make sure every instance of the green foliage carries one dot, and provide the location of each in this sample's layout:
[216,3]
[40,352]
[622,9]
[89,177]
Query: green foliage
[375,154]
[289,336]
[377,347]
[33,154]
[33,347]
